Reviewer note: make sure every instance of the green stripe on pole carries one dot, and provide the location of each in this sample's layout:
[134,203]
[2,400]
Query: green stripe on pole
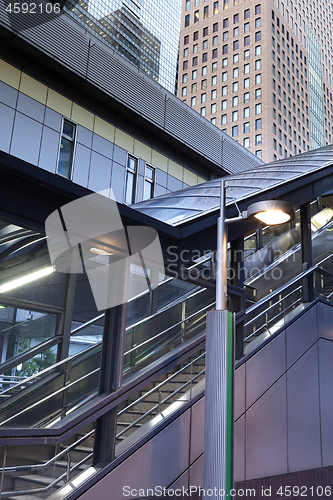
[229,440]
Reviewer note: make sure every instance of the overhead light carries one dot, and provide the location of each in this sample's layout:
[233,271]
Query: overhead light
[28,278]
[2,306]
[100,251]
[272,212]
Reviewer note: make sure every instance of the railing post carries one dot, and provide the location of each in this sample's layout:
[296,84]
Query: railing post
[183,326]
[159,400]
[133,344]
[65,395]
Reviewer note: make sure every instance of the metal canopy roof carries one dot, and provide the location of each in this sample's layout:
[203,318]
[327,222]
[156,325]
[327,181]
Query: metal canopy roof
[193,202]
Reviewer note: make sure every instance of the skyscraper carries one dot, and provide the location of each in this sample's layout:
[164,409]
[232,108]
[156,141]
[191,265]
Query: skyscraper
[145,32]
[260,71]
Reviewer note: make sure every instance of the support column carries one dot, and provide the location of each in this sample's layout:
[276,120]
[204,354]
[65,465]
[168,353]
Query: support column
[306,249]
[112,358]
[63,348]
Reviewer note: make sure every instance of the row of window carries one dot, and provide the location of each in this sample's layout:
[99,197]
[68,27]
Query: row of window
[66,159]
[196,16]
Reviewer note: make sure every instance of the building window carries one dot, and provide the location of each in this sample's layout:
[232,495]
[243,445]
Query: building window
[215,8]
[246,14]
[204,57]
[257,109]
[195,35]
[223,119]
[257,64]
[225,23]
[186,39]
[257,79]
[130,183]
[224,90]
[247,97]
[246,69]
[213,94]
[196,16]
[246,142]
[193,101]
[224,104]
[235,45]
[193,88]
[195,48]
[257,50]
[257,9]
[187,20]
[234,116]
[258,124]
[235,87]
[235,58]
[235,73]
[205,31]
[214,53]
[225,49]
[66,150]
[257,36]
[215,40]
[246,83]
[204,70]
[246,127]
[149,183]
[184,91]
[185,65]
[257,22]
[235,32]
[246,27]
[205,12]
[236,18]
[257,94]
[213,108]
[194,74]
[225,36]
[203,97]
[187,4]
[213,120]
[247,40]
[258,153]
[246,54]
[214,80]
[234,131]
[224,76]
[235,101]
[215,27]
[214,66]
[246,112]
[203,111]
[185,52]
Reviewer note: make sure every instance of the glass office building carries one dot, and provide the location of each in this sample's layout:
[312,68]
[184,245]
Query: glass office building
[145,32]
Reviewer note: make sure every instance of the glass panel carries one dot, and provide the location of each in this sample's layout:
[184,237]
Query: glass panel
[130,188]
[65,158]
[68,129]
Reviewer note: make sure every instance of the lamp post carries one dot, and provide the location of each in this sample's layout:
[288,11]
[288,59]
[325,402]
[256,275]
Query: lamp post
[218,426]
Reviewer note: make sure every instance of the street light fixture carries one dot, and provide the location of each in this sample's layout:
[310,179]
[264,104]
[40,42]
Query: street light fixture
[218,425]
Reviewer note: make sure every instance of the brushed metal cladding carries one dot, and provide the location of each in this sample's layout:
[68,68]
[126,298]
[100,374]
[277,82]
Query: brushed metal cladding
[301,335]
[264,368]
[157,463]
[182,123]
[130,87]
[239,398]
[304,449]
[197,429]
[266,434]
[326,399]
[325,321]
[196,473]
[239,449]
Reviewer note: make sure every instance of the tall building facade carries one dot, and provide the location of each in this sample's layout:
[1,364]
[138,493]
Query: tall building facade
[260,71]
[145,32]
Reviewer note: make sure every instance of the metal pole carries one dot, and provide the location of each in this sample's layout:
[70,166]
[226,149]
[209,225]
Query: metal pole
[217,467]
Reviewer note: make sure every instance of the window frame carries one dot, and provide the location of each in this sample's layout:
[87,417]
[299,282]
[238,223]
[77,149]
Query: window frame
[72,140]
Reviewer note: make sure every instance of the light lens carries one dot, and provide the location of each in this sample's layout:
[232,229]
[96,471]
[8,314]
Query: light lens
[272,217]
[99,251]
[26,279]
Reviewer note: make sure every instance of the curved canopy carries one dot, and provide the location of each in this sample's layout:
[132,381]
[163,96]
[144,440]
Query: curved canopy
[193,202]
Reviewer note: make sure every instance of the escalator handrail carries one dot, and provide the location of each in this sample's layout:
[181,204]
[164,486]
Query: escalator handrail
[284,287]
